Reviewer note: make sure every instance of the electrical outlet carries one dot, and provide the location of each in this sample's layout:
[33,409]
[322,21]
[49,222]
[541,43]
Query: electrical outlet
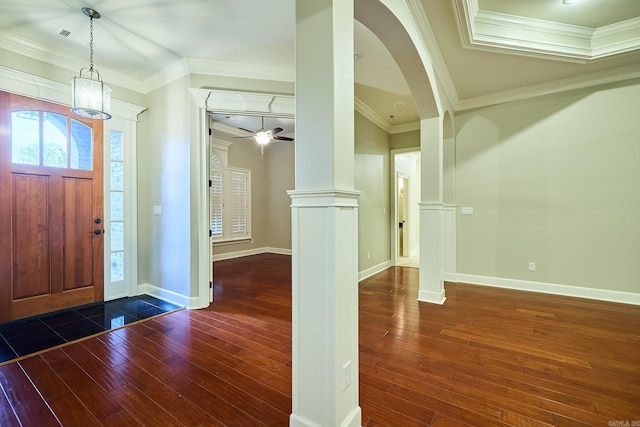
[532,266]
[346,375]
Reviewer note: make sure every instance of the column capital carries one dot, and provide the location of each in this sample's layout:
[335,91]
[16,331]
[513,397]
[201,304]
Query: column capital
[331,197]
[432,206]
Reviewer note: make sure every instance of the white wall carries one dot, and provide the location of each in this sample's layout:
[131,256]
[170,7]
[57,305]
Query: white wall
[164,252]
[554,180]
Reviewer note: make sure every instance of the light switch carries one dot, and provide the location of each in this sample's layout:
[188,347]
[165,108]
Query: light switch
[157,210]
[466,210]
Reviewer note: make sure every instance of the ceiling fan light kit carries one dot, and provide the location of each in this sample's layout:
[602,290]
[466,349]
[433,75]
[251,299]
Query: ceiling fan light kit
[263,136]
[90,96]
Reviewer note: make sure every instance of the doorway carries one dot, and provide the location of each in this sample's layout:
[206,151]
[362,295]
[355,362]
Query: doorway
[51,214]
[406,236]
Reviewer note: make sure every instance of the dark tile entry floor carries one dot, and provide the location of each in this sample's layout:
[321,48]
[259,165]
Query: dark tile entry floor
[26,336]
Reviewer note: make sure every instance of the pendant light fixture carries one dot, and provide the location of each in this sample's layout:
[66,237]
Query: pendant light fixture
[90,97]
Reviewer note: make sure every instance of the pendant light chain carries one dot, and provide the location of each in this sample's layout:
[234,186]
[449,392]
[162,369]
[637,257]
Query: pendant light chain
[91,43]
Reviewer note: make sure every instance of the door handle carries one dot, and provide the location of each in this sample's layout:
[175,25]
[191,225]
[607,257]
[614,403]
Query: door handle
[97,231]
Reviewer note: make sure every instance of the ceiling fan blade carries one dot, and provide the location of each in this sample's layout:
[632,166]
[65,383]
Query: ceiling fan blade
[244,137]
[276,130]
[282,138]
[246,130]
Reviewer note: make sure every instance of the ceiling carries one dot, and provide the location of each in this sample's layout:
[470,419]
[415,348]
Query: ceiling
[484,51]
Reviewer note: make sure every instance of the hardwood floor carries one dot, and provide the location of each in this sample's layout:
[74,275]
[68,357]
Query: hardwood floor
[488,357]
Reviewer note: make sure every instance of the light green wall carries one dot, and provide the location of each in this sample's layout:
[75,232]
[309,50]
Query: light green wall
[402,140]
[554,180]
[372,179]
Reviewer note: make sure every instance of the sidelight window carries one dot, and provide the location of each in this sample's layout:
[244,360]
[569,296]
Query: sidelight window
[116,192]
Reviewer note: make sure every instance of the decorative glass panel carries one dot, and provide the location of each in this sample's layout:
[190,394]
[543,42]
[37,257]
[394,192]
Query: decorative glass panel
[54,140]
[117,266]
[116,145]
[117,236]
[81,146]
[117,175]
[117,206]
[25,137]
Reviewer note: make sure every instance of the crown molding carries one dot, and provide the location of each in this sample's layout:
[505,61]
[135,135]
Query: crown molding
[499,32]
[227,129]
[405,127]
[209,67]
[243,70]
[63,60]
[563,85]
[168,74]
[374,117]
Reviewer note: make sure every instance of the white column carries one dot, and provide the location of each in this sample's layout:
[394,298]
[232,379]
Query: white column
[431,213]
[431,252]
[324,220]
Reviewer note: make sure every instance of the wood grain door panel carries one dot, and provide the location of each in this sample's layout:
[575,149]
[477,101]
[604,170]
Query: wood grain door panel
[30,245]
[78,234]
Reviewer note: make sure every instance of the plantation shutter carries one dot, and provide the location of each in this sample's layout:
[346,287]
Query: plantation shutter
[216,204]
[239,204]
[229,202]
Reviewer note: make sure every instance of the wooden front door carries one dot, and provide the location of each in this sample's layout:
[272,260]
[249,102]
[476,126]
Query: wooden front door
[51,207]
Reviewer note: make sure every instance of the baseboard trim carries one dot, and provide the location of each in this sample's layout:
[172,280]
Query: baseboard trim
[249,252]
[551,288]
[354,419]
[167,295]
[432,297]
[257,251]
[374,270]
[450,277]
[279,251]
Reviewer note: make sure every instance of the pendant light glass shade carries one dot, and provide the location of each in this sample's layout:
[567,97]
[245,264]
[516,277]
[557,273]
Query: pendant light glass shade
[90,97]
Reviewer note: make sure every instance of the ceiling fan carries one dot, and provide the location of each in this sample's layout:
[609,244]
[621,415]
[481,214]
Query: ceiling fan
[263,136]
